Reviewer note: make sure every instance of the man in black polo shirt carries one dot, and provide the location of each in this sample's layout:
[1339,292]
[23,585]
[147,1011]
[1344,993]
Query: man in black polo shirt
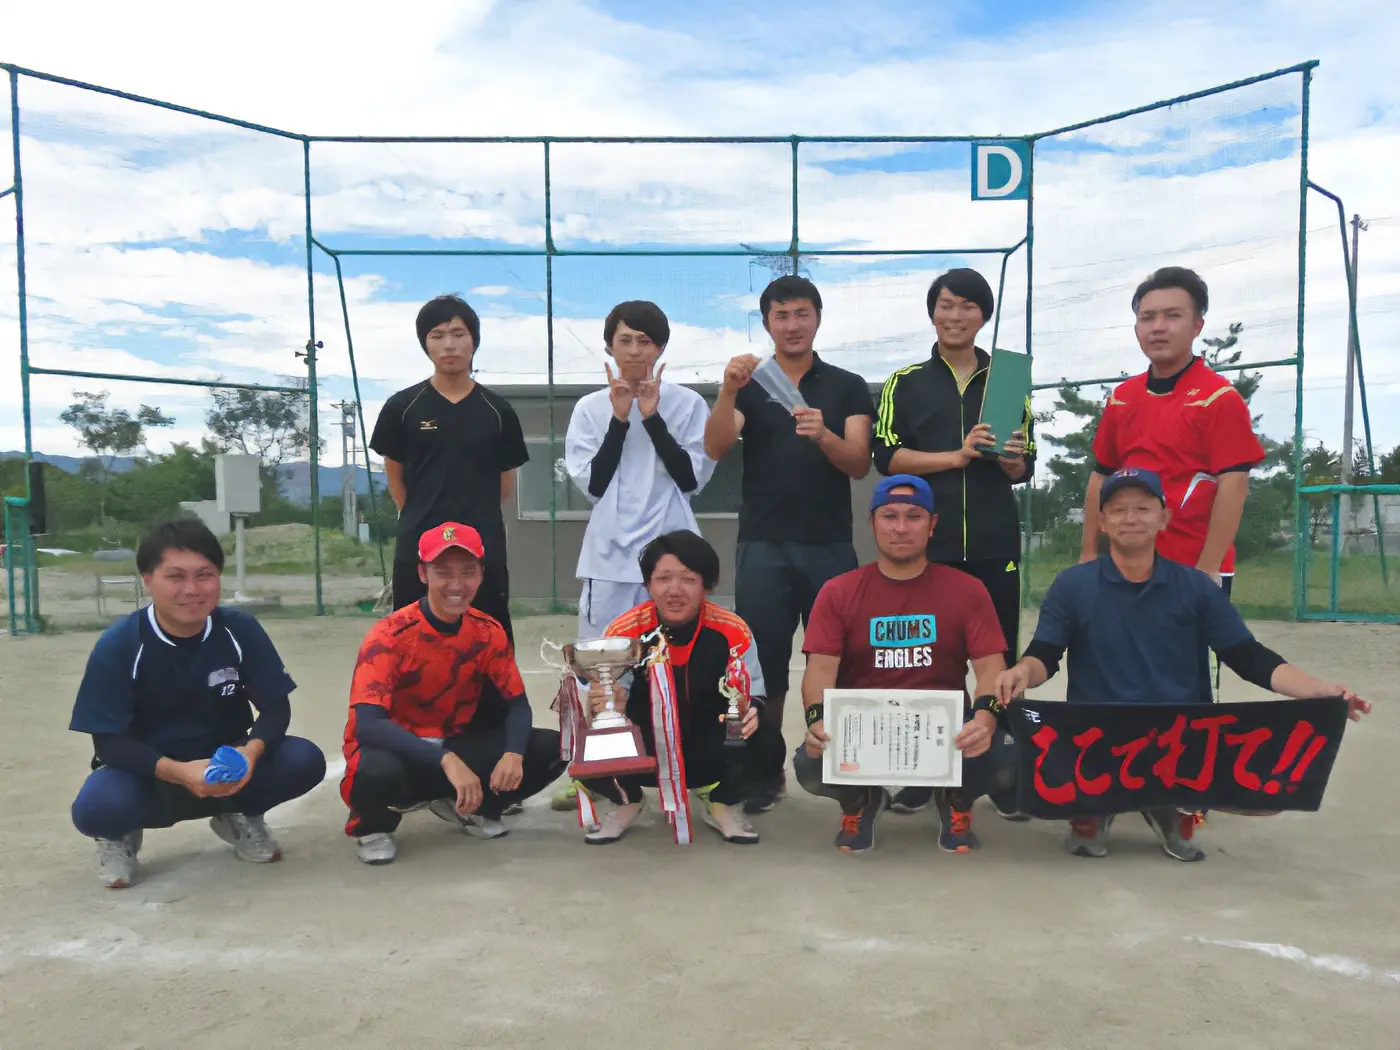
[927,424]
[450,448]
[1137,627]
[795,514]
[168,686]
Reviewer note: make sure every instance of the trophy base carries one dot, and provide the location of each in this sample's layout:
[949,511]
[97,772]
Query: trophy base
[612,767]
[614,751]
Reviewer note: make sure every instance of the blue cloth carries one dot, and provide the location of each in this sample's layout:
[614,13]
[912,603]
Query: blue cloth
[183,697]
[112,802]
[227,766]
[1138,643]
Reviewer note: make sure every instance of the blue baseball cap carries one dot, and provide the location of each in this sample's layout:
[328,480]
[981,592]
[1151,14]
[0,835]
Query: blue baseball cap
[1132,478]
[922,496]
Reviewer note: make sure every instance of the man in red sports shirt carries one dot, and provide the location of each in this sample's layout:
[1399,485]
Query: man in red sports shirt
[903,622]
[1183,421]
[413,737]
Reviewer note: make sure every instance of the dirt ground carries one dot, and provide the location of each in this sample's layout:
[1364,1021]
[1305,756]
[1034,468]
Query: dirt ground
[1288,935]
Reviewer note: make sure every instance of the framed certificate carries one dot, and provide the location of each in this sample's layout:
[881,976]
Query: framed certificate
[892,737]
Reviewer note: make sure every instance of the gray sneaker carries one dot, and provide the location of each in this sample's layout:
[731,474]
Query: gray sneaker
[474,824]
[249,837]
[1174,830]
[377,848]
[1088,836]
[117,867]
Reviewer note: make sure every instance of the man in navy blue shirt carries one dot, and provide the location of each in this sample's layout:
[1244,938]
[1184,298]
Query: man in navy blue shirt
[166,687]
[1137,628]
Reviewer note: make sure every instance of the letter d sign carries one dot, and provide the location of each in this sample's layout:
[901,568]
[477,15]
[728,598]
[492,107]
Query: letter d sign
[1001,170]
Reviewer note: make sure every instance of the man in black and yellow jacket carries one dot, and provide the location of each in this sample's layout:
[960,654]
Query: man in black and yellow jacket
[927,424]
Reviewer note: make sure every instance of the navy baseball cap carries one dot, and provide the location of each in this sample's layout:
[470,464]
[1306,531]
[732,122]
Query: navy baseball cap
[1132,478]
[922,496]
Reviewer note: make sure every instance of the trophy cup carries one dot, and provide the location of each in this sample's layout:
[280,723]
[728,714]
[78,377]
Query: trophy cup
[611,745]
[734,687]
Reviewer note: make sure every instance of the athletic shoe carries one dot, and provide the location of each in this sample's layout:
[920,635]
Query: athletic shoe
[1006,807]
[765,799]
[1174,830]
[117,867]
[955,835]
[1088,836]
[474,824]
[513,810]
[857,834]
[565,799]
[249,837]
[378,848]
[614,824]
[729,822]
[911,800]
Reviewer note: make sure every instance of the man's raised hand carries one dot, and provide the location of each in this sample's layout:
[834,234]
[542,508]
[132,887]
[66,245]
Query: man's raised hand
[649,393]
[738,372]
[619,393]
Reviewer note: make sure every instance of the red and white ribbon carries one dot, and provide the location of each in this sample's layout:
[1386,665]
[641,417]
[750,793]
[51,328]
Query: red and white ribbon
[572,724]
[670,764]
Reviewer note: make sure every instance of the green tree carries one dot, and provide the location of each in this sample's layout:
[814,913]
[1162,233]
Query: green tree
[154,488]
[268,424]
[110,432]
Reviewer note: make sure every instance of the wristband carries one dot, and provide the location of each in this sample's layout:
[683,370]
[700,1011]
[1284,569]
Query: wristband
[758,703]
[989,703]
[814,714]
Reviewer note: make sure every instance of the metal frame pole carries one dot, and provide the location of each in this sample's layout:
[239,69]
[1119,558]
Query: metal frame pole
[1302,547]
[311,384]
[549,388]
[31,571]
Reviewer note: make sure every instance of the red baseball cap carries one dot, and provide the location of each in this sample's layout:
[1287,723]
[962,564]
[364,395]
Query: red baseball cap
[449,534]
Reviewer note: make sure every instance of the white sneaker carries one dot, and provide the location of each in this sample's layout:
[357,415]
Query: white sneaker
[614,824]
[473,824]
[117,867]
[729,822]
[249,837]
[378,848]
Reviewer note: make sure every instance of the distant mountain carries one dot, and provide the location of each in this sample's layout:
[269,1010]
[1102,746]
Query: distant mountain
[294,478]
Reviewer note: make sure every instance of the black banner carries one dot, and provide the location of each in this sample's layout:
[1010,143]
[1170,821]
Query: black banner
[1097,759]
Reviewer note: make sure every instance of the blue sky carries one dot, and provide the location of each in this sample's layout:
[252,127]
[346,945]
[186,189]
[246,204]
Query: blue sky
[162,244]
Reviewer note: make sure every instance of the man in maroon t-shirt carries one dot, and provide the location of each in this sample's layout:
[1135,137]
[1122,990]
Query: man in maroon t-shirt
[903,622]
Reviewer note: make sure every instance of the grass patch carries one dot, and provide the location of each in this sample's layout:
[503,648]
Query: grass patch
[1263,588]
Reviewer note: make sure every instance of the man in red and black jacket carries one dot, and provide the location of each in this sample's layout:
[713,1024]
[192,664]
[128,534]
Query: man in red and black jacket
[680,569]
[1185,423]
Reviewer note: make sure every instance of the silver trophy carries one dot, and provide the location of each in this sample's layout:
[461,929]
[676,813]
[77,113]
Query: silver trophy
[611,746]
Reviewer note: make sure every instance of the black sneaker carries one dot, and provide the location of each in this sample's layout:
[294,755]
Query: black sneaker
[1174,830]
[769,796]
[911,800]
[1005,805]
[857,833]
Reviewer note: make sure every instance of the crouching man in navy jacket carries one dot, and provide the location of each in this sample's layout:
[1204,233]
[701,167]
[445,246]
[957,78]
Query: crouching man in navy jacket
[165,688]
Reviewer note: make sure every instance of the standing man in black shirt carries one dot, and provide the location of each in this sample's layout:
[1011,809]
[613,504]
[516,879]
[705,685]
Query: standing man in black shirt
[795,514]
[928,425]
[450,448]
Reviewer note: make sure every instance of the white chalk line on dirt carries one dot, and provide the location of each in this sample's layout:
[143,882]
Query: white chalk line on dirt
[334,769]
[1337,964]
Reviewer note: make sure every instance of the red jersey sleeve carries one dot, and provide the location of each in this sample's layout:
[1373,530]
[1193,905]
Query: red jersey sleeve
[1106,453]
[981,628]
[1230,440]
[826,626]
[498,664]
[376,669]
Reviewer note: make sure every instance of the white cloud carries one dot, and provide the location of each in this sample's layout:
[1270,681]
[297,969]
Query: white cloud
[558,67]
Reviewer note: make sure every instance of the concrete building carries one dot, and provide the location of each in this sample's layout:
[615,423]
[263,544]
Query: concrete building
[531,536]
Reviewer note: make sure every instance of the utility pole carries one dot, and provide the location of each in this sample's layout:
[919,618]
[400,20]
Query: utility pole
[1357,225]
[349,514]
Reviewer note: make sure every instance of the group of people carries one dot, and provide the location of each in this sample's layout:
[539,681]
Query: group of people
[439,717]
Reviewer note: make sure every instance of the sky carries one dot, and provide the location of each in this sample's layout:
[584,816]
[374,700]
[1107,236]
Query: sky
[160,244]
